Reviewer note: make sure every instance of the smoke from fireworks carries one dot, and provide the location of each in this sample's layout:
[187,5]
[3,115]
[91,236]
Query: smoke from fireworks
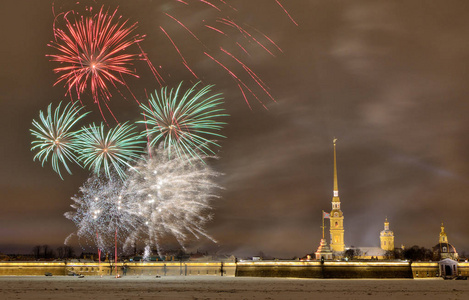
[113,151]
[93,52]
[183,122]
[54,137]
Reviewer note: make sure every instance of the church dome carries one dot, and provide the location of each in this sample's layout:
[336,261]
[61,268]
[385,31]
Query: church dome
[444,248]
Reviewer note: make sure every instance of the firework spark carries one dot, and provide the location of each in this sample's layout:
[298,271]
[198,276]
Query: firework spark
[114,150]
[184,122]
[172,197]
[92,52]
[54,137]
[100,210]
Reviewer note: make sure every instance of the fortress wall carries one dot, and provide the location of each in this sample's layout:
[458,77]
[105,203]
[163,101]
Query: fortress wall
[32,268]
[425,269]
[327,270]
[137,268]
[294,269]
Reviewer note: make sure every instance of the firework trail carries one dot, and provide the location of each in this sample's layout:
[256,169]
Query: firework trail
[183,121]
[111,151]
[54,138]
[220,27]
[100,210]
[92,52]
[171,197]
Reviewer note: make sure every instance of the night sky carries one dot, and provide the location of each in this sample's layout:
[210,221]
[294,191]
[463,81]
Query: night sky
[388,79]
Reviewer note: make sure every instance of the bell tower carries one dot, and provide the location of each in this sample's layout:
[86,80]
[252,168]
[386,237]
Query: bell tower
[337,217]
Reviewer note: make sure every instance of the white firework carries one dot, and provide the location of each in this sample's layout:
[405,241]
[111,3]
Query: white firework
[102,213]
[171,196]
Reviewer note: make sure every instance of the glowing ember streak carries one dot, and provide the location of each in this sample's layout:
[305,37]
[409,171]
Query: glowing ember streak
[239,82]
[244,32]
[215,29]
[183,26]
[251,73]
[210,4]
[180,54]
[294,22]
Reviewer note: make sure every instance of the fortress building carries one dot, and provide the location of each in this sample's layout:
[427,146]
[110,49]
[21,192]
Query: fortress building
[387,238]
[336,215]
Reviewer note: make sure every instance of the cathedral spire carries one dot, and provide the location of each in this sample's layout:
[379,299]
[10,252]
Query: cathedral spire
[336,185]
[336,215]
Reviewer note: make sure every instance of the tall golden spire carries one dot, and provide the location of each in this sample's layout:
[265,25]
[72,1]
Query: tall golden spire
[336,185]
[337,217]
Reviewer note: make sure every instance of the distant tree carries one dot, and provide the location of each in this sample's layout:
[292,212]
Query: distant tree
[418,253]
[69,252]
[352,253]
[389,254]
[48,252]
[398,253]
[60,252]
[37,252]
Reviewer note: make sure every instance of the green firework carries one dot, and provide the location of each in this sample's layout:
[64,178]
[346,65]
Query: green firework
[102,151]
[54,138]
[184,123]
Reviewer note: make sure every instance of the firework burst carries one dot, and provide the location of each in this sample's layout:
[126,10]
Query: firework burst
[102,213]
[172,196]
[92,53]
[54,137]
[184,122]
[111,151]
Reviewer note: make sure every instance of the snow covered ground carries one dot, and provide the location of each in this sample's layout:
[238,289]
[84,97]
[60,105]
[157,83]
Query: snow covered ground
[213,287]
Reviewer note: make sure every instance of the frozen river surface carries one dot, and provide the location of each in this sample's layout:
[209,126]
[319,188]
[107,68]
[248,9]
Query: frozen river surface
[208,287]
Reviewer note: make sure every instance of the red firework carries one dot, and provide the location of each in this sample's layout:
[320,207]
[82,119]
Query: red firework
[92,52]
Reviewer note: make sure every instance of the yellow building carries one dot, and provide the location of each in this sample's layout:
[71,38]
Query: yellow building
[387,237]
[337,217]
